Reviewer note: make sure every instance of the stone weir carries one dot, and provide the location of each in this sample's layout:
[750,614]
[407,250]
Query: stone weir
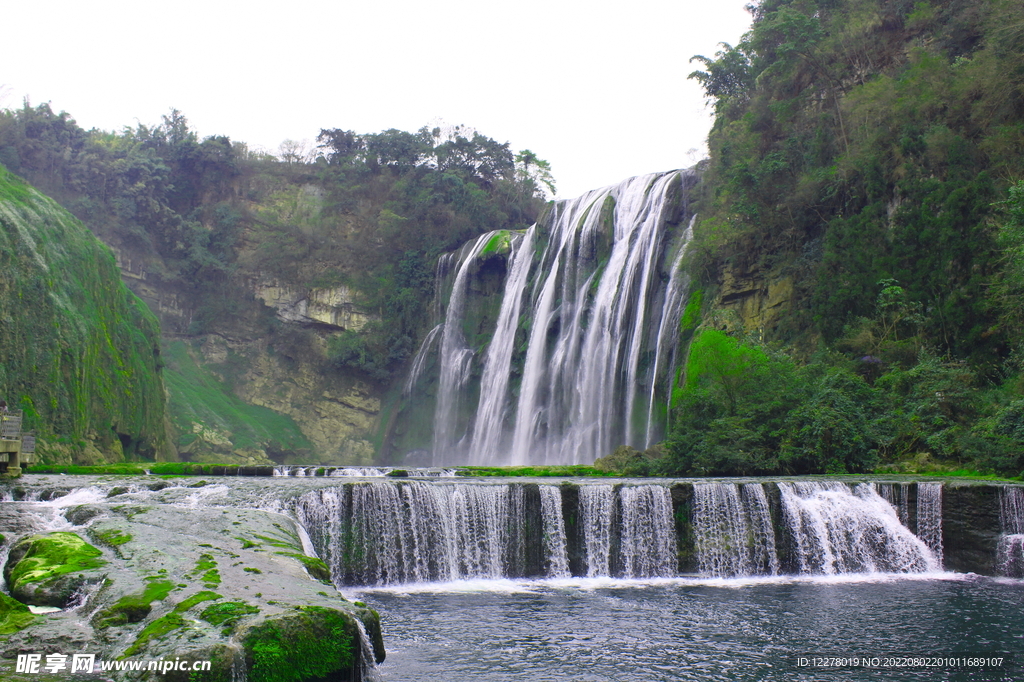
[402,531]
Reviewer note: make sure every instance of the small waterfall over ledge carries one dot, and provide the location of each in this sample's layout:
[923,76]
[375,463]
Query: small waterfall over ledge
[391,532]
[557,345]
[1010,552]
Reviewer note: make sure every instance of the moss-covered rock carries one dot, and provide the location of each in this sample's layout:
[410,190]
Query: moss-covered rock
[14,615]
[310,644]
[47,569]
[79,353]
[133,608]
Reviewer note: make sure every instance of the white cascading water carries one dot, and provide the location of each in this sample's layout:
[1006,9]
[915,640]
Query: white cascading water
[929,517]
[1010,550]
[668,333]
[596,509]
[733,532]
[455,359]
[492,409]
[554,531]
[648,533]
[407,531]
[599,341]
[896,494]
[836,530]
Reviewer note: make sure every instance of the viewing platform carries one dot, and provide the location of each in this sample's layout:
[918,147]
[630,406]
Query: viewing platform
[16,448]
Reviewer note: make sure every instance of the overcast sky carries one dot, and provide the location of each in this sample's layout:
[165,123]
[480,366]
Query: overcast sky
[599,89]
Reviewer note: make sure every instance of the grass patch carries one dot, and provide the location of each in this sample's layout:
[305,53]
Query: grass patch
[565,471]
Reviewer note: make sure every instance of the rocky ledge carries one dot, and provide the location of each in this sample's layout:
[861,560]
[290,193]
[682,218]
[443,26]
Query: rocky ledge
[129,581]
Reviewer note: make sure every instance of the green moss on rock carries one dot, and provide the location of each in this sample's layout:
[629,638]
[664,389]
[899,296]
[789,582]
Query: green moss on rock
[112,537]
[314,566]
[14,615]
[310,644]
[133,608]
[45,570]
[79,353]
[227,613]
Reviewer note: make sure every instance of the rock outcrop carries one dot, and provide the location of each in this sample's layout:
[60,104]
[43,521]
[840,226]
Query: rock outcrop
[170,583]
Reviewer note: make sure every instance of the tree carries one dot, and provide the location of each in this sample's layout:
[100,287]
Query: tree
[532,169]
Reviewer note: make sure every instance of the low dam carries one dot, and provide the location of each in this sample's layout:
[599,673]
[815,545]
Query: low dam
[489,579]
[397,531]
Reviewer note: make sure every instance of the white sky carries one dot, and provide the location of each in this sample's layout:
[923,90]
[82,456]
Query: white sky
[597,88]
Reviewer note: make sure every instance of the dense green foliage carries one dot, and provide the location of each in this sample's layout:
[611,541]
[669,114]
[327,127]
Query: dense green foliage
[79,353]
[371,212]
[868,152]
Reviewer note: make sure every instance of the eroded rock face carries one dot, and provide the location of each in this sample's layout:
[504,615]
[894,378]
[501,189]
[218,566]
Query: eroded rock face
[334,307]
[338,417]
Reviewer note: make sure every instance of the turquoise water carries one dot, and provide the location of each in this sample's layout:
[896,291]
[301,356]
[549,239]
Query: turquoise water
[694,629]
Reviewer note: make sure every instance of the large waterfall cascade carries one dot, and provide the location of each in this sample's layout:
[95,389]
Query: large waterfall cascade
[406,531]
[581,353]
[1010,552]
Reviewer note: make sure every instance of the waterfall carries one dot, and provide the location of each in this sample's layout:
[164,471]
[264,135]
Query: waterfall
[394,532]
[648,533]
[455,357]
[397,531]
[1010,550]
[733,531]
[384,532]
[554,531]
[836,531]
[580,356]
[896,494]
[491,412]
[420,361]
[668,330]
[929,517]
[596,508]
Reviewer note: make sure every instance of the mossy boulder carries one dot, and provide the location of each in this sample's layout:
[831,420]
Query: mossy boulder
[312,643]
[13,615]
[47,569]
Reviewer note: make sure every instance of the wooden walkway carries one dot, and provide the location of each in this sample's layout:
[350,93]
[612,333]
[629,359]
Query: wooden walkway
[16,448]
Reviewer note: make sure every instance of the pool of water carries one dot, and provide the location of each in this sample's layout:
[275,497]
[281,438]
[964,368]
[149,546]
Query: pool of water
[698,629]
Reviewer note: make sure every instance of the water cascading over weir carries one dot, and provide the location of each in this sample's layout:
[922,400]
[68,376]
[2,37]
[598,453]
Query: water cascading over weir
[409,531]
[557,344]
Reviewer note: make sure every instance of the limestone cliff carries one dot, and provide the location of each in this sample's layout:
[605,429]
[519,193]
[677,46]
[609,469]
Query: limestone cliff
[250,382]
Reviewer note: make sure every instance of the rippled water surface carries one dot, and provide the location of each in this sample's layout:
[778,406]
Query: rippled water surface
[694,629]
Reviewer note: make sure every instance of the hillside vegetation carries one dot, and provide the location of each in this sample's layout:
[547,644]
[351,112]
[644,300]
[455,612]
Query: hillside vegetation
[79,353]
[859,247]
[235,249]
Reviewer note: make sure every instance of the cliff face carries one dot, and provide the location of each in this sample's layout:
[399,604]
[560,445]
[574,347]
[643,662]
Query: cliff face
[249,373]
[79,353]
